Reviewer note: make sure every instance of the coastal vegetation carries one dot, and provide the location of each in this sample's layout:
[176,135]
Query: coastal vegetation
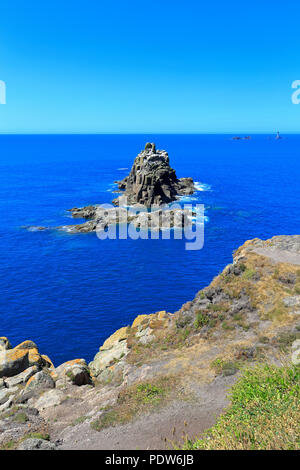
[264,413]
[136,399]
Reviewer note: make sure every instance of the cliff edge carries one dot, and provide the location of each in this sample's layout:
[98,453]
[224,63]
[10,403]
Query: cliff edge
[166,375]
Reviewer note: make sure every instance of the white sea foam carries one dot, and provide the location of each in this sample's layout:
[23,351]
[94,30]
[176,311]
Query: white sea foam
[199,220]
[32,229]
[187,198]
[202,186]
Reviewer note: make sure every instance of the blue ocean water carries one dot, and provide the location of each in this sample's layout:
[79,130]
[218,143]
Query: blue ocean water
[69,292]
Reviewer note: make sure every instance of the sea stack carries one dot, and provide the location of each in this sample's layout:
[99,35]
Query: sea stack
[152,181]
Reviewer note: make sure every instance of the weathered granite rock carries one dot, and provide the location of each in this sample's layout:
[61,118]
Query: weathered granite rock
[159,219]
[24,373]
[21,378]
[40,381]
[48,365]
[7,404]
[292,301]
[49,398]
[4,395]
[28,344]
[104,359]
[115,338]
[16,360]
[110,362]
[164,219]
[88,212]
[36,444]
[4,343]
[113,349]
[100,217]
[75,372]
[152,181]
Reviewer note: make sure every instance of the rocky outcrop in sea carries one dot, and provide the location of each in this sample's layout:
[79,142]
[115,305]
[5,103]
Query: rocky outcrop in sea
[151,181]
[99,218]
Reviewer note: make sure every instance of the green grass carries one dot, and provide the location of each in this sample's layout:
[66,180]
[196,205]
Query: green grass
[200,320]
[148,393]
[279,312]
[185,333]
[12,445]
[264,413]
[20,418]
[80,420]
[227,326]
[225,368]
[134,400]
[215,307]
[109,418]
[248,274]
[285,340]
[37,435]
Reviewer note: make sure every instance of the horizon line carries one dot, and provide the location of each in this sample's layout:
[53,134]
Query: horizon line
[151,133]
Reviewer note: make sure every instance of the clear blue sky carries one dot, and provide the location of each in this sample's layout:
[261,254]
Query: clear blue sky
[149,66]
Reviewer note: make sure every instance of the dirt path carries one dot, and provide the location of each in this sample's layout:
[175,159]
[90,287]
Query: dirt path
[156,430]
[279,256]
[203,397]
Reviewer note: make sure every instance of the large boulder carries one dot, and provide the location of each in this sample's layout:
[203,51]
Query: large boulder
[75,372]
[112,350]
[49,398]
[36,444]
[21,378]
[16,360]
[40,381]
[6,393]
[4,343]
